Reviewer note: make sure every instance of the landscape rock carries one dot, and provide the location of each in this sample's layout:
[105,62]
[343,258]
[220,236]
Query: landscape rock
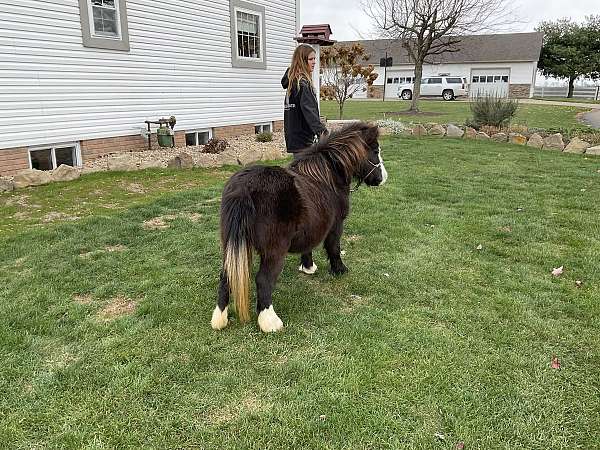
[536,141]
[593,151]
[481,136]
[181,161]
[517,138]
[152,164]
[31,177]
[555,142]
[470,133]
[65,173]
[6,185]
[454,131]
[576,146]
[437,130]
[123,163]
[419,130]
[500,137]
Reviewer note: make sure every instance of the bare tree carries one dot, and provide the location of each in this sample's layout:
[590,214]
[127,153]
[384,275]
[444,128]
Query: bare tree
[429,28]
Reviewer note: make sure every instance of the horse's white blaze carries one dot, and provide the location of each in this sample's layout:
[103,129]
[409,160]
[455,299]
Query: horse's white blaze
[268,321]
[384,174]
[312,269]
[219,318]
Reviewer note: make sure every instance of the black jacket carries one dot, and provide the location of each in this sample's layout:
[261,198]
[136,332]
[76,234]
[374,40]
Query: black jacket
[301,121]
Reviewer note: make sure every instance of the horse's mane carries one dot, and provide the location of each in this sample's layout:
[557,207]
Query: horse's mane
[344,148]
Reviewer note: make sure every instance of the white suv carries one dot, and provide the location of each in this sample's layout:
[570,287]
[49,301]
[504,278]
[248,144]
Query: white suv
[446,87]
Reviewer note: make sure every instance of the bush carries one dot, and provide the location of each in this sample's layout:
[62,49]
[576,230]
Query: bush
[215,146]
[492,110]
[264,137]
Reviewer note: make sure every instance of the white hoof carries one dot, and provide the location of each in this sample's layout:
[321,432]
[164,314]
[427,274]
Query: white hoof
[219,318]
[310,271]
[268,321]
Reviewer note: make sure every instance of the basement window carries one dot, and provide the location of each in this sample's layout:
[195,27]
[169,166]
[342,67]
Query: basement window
[197,137]
[49,158]
[263,128]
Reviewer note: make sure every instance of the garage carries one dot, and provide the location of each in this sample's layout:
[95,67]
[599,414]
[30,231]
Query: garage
[396,79]
[490,82]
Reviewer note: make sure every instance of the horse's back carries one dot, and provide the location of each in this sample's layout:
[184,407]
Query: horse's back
[272,190]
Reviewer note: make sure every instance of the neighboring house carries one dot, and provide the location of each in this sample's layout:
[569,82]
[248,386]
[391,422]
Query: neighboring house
[79,77]
[501,63]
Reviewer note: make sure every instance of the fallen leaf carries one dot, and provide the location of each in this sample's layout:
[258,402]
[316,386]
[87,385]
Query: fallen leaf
[480,247]
[322,417]
[460,445]
[520,209]
[579,283]
[557,272]
[555,363]
[386,274]
[343,252]
[440,436]
[355,297]
[582,190]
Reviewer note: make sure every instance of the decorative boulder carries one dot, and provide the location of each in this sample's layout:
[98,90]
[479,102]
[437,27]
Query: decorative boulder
[470,133]
[516,138]
[593,151]
[121,163]
[576,146]
[555,142]
[229,157]
[6,185]
[152,164]
[481,136]
[31,177]
[419,130]
[210,160]
[271,153]
[65,173]
[437,130]
[536,141]
[181,161]
[454,131]
[499,137]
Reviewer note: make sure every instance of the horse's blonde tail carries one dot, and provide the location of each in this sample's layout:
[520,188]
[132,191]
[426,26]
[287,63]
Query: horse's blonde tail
[236,265]
[237,217]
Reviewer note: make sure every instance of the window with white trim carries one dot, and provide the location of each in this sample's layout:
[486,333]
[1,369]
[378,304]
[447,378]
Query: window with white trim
[104,24]
[247,35]
[197,137]
[104,18]
[51,157]
[263,128]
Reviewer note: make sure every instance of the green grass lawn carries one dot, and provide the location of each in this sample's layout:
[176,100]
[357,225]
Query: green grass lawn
[570,100]
[537,116]
[105,339]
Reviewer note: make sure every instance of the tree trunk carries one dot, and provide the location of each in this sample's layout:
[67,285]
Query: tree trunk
[414,106]
[341,109]
[572,79]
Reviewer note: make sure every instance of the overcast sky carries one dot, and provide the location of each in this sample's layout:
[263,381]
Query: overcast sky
[349,22]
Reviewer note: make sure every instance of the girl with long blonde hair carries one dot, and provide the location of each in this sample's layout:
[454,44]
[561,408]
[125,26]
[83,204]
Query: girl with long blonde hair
[302,124]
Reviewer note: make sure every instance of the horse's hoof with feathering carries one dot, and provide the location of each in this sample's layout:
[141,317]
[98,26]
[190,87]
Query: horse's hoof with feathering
[219,318]
[268,321]
[308,270]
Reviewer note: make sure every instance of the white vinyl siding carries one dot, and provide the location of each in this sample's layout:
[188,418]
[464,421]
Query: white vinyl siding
[54,89]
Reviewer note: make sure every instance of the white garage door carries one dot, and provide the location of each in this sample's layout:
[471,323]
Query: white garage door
[489,82]
[395,79]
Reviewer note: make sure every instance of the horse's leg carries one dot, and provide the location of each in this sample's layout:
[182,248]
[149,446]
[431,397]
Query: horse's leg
[332,247]
[307,264]
[270,268]
[219,317]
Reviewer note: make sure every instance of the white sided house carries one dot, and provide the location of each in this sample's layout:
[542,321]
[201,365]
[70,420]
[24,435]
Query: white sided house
[80,77]
[505,64]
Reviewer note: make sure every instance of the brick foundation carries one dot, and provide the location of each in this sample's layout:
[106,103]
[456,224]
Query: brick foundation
[13,160]
[375,92]
[519,90]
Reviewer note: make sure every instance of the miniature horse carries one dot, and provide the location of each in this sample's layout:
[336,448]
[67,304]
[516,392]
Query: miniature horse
[277,210]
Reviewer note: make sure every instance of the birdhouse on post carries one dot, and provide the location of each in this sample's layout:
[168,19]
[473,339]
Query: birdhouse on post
[318,36]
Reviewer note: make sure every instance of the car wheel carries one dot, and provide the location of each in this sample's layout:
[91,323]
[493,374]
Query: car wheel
[448,94]
[406,95]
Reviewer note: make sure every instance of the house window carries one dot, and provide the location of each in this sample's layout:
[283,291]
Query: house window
[396,80]
[390,80]
[197,137]
[247,35]
[50,158]
[104,24]
[263,128]
[505,78]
